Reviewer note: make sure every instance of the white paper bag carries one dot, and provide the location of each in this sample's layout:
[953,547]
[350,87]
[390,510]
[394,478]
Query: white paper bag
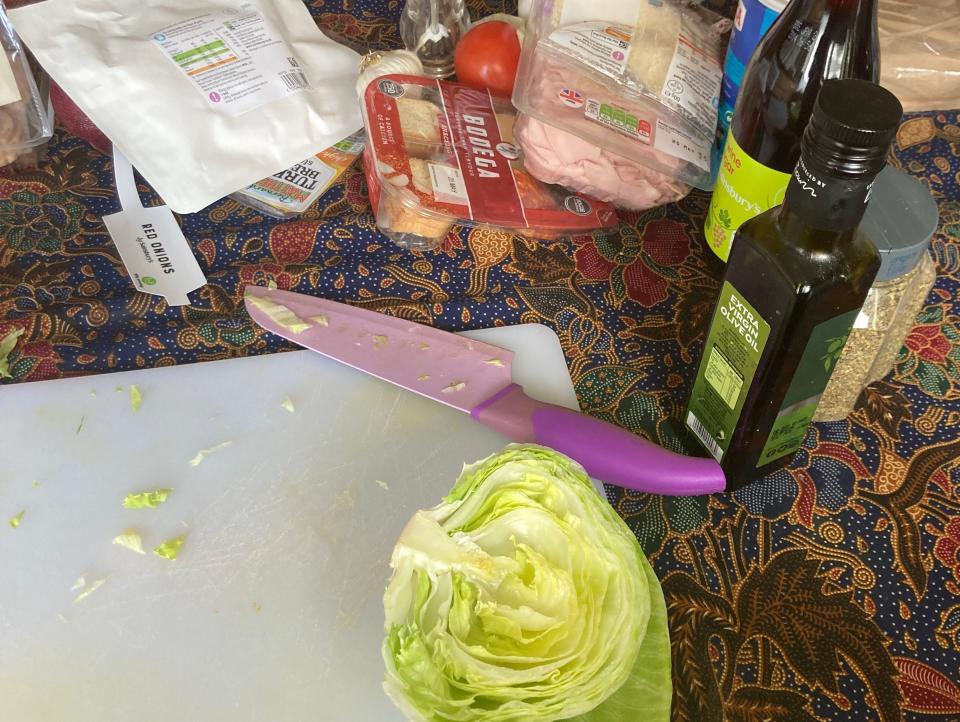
[203,97]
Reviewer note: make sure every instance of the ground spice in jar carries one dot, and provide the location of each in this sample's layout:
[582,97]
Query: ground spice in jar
[900,220]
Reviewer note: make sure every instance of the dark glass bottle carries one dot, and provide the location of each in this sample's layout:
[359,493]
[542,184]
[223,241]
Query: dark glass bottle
[811,41]
[797,276]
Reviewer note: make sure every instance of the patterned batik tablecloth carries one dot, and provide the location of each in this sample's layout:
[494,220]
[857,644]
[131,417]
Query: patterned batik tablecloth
[830,591]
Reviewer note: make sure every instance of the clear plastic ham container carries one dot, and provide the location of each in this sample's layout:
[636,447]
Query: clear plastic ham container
[644,82]
[441,153]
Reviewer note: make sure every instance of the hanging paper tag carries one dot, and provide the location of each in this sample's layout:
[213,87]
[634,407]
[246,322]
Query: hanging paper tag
[151,244]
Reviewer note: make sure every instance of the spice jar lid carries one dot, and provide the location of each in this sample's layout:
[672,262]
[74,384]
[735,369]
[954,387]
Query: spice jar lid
[901,218]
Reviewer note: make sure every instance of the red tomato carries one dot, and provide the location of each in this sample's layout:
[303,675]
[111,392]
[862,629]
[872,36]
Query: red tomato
[487,57]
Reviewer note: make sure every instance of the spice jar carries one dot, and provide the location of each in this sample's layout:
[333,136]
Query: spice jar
[901,218]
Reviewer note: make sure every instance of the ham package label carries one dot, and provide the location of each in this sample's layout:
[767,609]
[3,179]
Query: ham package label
[459,159]
[483,156]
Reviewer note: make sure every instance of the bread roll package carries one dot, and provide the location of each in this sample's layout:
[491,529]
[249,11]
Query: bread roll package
[441,153]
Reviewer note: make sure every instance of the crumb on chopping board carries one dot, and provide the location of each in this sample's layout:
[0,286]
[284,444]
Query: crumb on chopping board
[136,398]
[86,590]
[204,453]
[146,499]
[170,549]
[131,540]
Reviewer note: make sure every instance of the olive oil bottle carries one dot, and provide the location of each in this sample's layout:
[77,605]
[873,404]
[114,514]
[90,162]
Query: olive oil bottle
[797,276]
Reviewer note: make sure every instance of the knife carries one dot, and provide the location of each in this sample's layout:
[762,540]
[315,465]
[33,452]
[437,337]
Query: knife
[475,377]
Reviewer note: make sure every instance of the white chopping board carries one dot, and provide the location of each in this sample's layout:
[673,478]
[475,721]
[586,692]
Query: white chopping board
[272,611]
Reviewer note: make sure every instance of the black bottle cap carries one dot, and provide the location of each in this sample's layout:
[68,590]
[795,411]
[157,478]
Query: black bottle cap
[852,126]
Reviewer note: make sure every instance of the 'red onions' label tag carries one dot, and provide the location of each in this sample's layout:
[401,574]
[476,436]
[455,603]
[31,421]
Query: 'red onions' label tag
[484,157]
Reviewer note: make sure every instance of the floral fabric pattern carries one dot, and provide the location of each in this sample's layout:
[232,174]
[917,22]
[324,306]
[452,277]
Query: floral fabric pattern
[828,591]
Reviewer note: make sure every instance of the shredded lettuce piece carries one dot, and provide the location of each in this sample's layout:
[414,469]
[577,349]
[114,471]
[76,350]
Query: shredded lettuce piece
[279,314]
[136,398]
[170,549]
[382,484]
[15,521]
[146,499]
[88,590]
[131,540]
[7,344]
[287,403]
[320,320]
[204,453]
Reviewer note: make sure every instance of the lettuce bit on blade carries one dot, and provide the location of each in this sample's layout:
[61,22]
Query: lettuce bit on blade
[287,403]
[131,540]
[15,521]
[204,453]
[279,314]
[524,596]
[146,499]
[7,344]
[136,398]
[170,549]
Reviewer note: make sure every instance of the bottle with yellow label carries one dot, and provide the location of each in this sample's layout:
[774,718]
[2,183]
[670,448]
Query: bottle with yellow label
[811,41]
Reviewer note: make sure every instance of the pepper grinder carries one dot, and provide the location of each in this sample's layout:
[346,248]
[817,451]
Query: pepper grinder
[431,29]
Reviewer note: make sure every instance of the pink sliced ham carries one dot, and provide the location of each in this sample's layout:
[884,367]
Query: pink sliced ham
[556,156]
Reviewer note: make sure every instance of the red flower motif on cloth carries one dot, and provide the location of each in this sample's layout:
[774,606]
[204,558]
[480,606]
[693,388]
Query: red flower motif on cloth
[293,242]
[929,342]
[31,360]
[355,192]
[260,274]
[947,548]
[925,689]
[640,263]
[343,25]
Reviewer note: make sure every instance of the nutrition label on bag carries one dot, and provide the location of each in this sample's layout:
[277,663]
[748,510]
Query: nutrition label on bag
[601,45]
[235,58]
[694,78]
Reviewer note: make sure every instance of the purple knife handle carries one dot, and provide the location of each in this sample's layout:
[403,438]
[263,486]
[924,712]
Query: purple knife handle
[608,453]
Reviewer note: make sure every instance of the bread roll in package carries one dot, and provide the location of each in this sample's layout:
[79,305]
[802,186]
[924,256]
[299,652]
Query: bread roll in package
[441,153]
[203,97]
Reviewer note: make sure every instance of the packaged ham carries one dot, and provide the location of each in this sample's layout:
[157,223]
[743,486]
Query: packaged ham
[441,153]
[26,119]
[556,156]
[647,92]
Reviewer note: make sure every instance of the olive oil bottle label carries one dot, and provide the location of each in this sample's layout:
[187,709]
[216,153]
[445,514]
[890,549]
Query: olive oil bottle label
[734,346]
[745,188]
[810,379]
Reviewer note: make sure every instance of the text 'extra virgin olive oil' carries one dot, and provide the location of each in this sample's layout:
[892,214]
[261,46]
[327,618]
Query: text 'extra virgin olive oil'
[797,276]
[810,42]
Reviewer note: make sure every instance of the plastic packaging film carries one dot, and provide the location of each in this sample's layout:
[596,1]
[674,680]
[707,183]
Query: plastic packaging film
[920,50]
